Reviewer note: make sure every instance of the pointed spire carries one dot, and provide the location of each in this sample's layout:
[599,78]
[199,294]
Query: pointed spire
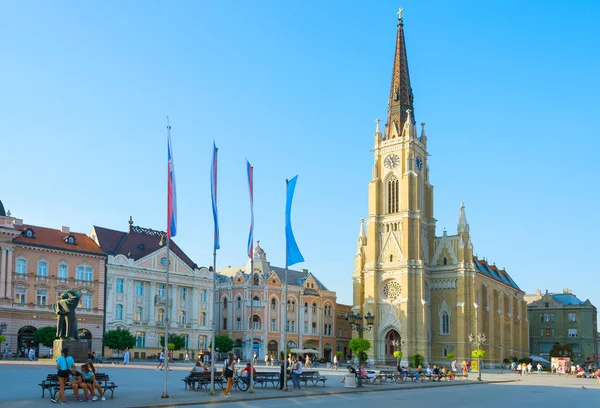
[361,234]
[377,132]
[463,225]
[409,130]
[423,137]
[401,96]
[361,237]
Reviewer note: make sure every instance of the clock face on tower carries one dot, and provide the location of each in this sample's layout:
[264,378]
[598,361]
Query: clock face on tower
[391,161]
[419,163]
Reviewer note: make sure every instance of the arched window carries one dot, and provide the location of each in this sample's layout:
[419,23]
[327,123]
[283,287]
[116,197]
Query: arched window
[256,280]
[202,319]
[160,315]
[256,322]
[118,312]
[392,195]
[445,261]
[445,323]
[181,317]
[21,266]
[239,302]
[224,303]
[273,304]
[42,268]
[305,307]
[139,311]
[255,301]
[314,307]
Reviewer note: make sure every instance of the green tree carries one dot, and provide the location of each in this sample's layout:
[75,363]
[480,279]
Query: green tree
[2,339]
[224,344]
[119,339]
[45,336]
[450,356]
[359,347]
[397,356]
[417,360]
[561,350]
[175,339]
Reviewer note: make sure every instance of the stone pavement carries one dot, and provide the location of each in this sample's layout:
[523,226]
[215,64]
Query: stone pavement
[140,385]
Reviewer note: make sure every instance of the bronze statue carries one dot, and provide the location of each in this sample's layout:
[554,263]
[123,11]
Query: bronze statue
[66,325]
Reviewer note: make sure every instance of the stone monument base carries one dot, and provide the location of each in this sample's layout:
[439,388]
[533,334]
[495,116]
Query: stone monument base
[78,349]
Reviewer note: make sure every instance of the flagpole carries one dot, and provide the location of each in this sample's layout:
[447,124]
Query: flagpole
[214,327]
[285,307]
[251,390]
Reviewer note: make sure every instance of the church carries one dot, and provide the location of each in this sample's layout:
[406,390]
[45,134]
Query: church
[428,293]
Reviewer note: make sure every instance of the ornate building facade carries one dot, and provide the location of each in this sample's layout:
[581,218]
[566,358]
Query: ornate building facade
[427,293]
[37,265]
[257,299]
[136,291]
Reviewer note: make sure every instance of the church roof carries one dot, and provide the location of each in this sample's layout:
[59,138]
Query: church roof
[56,239]
[492,271]
[2,212]
[137,243]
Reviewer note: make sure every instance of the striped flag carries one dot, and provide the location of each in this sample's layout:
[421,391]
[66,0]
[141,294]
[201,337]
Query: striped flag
[213,193]
[250,171]
[172,201]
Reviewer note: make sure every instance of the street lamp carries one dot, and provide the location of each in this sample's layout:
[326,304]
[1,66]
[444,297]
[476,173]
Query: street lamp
[479,341]
[356,324]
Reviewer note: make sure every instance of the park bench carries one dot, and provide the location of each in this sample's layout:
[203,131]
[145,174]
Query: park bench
[52,385]
[389,376]
[264,378]
[313,376]
[200,379]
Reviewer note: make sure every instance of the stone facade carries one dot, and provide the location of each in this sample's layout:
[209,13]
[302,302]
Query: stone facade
[37,265]
[310,309]
[565,319]
[427,293]
[136,292]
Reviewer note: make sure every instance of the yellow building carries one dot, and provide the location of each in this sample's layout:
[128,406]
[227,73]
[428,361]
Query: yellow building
[428,293]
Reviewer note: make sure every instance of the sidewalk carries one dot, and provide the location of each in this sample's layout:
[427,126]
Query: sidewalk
[140,385]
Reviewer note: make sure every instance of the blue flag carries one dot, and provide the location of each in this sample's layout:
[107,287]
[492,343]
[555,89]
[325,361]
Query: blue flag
[213,193]
[292,253]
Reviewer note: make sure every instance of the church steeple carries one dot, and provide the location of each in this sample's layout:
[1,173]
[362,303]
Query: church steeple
[401,95]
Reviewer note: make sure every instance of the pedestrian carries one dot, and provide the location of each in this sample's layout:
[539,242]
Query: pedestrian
[266,359]
[296,371]
[501,368]
[465,369]
[255,358]
[187,356]
[193,355]
[454,365]
[335,362]
[228,371]
[63,365]
[161,361]
[529,367]
[126,356]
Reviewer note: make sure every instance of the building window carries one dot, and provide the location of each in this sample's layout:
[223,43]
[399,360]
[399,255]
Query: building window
[291,326]
[224,323]
[63,271]
[547,332]
[139,289]
[305,307]
[203,294]
[572,332]
[161,290]
[87,301]
[255,281]
[255,301]
[140,339]
[392,191]
[42,297]
[21,266]
[20,295]
[181,317]
[224,303]
[202,342]
[139,311]
[445,323]
[256,322]
[314,307]
[314,328]
[79,273]
[182,293]
[202,319]
[119,285]
[29,233]
[161,315]
[273,325]
[238,323]
[42,269]
[70,239]
[306,327]
[273,304]
[118,312]
[239,302]
[89,274]
[572,317]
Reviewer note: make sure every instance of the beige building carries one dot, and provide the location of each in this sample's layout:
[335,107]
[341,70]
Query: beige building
[427,292]
[258,299]
[343,331]
[37,265]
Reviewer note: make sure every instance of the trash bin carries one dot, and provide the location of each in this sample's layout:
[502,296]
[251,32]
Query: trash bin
[350,381]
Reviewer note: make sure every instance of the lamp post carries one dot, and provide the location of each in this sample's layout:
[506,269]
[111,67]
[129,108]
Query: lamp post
[478,341]
[356,324]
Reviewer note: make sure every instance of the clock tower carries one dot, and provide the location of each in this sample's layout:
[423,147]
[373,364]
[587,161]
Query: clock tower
[396,240]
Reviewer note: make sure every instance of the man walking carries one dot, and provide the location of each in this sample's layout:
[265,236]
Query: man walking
[296,373]
[126,356]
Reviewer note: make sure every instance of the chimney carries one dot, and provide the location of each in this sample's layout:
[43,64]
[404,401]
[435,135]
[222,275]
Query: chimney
[304,270]
[65,230]
[18,222]
[567,291]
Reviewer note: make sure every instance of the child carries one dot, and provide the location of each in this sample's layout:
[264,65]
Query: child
[76,382]
[90,381]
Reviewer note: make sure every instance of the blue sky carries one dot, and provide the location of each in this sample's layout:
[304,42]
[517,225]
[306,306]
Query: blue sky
[509,91]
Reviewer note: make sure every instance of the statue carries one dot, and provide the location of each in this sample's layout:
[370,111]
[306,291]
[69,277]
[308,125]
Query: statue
[66,325]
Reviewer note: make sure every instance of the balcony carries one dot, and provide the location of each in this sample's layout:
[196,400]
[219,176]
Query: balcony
[20,277]
[161,300]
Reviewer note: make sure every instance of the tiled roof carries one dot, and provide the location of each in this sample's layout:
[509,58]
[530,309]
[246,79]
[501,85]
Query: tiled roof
[493,272]
[137,243]
[56,239]
[296,277]
[567,299]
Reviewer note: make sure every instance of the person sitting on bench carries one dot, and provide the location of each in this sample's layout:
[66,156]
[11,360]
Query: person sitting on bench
[91,383]
[367,375]
[76,382]
[351,370]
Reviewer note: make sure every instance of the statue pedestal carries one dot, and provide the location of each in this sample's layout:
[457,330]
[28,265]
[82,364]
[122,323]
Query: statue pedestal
[78,349]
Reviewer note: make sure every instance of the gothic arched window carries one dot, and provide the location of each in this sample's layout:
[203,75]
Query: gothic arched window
[392,195]
[445,324]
